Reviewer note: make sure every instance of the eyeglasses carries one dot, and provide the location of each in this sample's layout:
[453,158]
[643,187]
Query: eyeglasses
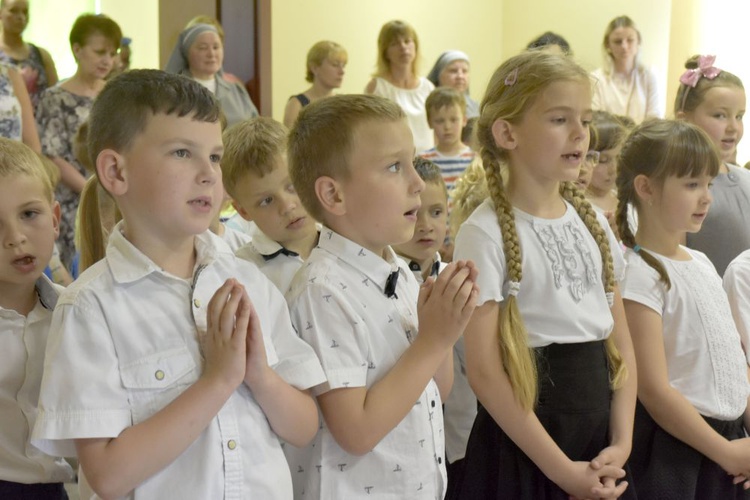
[592,158]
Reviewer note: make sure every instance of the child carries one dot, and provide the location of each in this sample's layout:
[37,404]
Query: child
[150,347]
[607,139]
[446,114]
[737,285]
[556,402]
[355,302]
[423,259]
[29,224]
[256,176]
[234,238]
[692,375]
[715,101]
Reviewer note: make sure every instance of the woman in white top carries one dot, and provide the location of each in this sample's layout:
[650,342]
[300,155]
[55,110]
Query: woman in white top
[396,78]
[624,86]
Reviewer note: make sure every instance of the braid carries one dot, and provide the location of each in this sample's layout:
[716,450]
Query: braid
[518,359]
[617,368]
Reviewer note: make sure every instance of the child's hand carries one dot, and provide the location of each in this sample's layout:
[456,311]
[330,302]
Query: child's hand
[736,460]
[223,343]
[584,482]
[611,455]
[256,366]
[445,305]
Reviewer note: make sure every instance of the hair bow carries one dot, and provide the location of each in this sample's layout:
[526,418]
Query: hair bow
[705,68]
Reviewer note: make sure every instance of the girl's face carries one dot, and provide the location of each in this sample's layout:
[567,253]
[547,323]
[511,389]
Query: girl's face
[96,57]
[15,16]
[720,116]
[681,203]
[605,172]
[330,73]
[455,75]
[623,44]
[206,55]
[401,51]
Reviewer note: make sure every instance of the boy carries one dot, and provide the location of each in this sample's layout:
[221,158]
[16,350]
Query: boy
[446,114]
[355,302]
[146,363]
[29,224]
[256,176]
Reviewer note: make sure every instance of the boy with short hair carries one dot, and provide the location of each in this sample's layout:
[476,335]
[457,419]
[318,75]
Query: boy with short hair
[446,115]
[256,176]
[358,305]
[158,372]
[29,224]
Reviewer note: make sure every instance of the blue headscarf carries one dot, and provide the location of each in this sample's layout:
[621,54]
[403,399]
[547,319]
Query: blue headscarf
[178,60]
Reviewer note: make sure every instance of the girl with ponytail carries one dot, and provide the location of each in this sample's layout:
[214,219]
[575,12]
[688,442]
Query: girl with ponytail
[548,351]
[692,373]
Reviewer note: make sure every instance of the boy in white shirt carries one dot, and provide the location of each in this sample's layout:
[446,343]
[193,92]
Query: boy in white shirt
[359,306]
[256,176]
[29,224]
[172,368]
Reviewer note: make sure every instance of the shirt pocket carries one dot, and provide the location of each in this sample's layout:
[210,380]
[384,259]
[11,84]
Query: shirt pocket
[156,380]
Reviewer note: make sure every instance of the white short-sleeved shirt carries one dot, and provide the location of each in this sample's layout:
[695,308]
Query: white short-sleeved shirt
[412,101]
[23,339]
[124,344]
[737,286]
[276,262]
[562,298]
[234,238]
[338,305]
[705,361]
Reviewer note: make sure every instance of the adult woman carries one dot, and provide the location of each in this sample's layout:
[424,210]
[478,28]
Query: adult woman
[624,86]
[199,54]
[94,40]
[16,112]
[452,70]
[325,70]
[35,63]
[396,78]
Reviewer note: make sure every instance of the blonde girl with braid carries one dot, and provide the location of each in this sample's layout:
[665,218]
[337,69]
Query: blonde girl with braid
[547,350]
[693,385]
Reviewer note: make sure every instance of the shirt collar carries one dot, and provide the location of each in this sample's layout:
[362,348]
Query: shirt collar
[377,269]
[47,292]
[128,264]
[268,248]
[417,269]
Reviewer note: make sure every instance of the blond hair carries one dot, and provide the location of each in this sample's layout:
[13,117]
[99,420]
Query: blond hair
[443,97]
[469,191]
[512,90]
[320,52]
[320,143]
[389,33]
[251,146]
[18,159]
[659,149]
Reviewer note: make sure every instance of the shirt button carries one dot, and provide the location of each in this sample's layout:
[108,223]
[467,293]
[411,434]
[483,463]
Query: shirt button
[196,302]
[440,460]
[231,444]
[159,375]
[433,403]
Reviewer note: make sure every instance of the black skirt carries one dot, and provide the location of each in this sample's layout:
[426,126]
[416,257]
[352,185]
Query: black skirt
[666,468]
[573,406]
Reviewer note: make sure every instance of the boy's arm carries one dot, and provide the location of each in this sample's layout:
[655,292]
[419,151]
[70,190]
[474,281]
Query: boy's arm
[444,376]
[359,417]
[115,466]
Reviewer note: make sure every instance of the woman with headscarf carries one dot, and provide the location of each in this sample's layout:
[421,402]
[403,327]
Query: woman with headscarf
[199,55]
[452,70]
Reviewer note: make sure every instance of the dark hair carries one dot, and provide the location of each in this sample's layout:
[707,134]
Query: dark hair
[609,131]
[550,38]
[429,172]
[95,24]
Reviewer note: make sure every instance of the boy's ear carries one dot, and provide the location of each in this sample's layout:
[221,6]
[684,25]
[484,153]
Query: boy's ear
[56,212]
[504,135]
[243,213]
[110,166]
[644,188]
[330,195]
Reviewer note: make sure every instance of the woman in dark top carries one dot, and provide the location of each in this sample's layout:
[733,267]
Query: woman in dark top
[325,70]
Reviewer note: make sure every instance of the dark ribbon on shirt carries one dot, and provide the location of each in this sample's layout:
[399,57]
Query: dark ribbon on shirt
[414,266]
[390,284]
[283,250]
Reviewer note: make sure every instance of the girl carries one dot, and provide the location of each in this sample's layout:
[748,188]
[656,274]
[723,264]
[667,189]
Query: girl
[557,402]
[715,101]
[325,70]
[692,373]
[607,140]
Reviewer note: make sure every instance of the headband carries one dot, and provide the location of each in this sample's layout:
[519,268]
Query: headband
[691,77]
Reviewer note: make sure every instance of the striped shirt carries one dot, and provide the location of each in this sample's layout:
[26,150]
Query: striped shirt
[450,166]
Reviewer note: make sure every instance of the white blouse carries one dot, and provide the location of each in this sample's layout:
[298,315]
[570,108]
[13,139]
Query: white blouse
[412,102]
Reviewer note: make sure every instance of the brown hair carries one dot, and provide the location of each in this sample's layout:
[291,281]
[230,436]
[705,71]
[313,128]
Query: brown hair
[389,33]
[430,173]
[442,97]
[87,25]
[530,73]
[320,143]
[319,53]
[659,149]
[689,98]
[608,129]
[251,146]
[618,22]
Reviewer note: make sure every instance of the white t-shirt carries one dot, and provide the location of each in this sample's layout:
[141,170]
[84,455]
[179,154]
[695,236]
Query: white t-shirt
[561,298]
[737,286]
[124,344]
[339,307]
[23,339]
[234,238]
[412,102]
[705,361]
[276,262]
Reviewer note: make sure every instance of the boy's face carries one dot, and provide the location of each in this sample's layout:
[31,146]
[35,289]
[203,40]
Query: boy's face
[173,178]
[28,229]
[447,123]
[273,204]
[381,194]
[429,232]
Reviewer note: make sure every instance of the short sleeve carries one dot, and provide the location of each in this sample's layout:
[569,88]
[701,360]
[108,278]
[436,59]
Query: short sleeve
[324,318]
[737,286]
[642,284]
[473,243]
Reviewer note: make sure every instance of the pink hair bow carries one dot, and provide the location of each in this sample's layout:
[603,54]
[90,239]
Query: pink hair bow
[705,68]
